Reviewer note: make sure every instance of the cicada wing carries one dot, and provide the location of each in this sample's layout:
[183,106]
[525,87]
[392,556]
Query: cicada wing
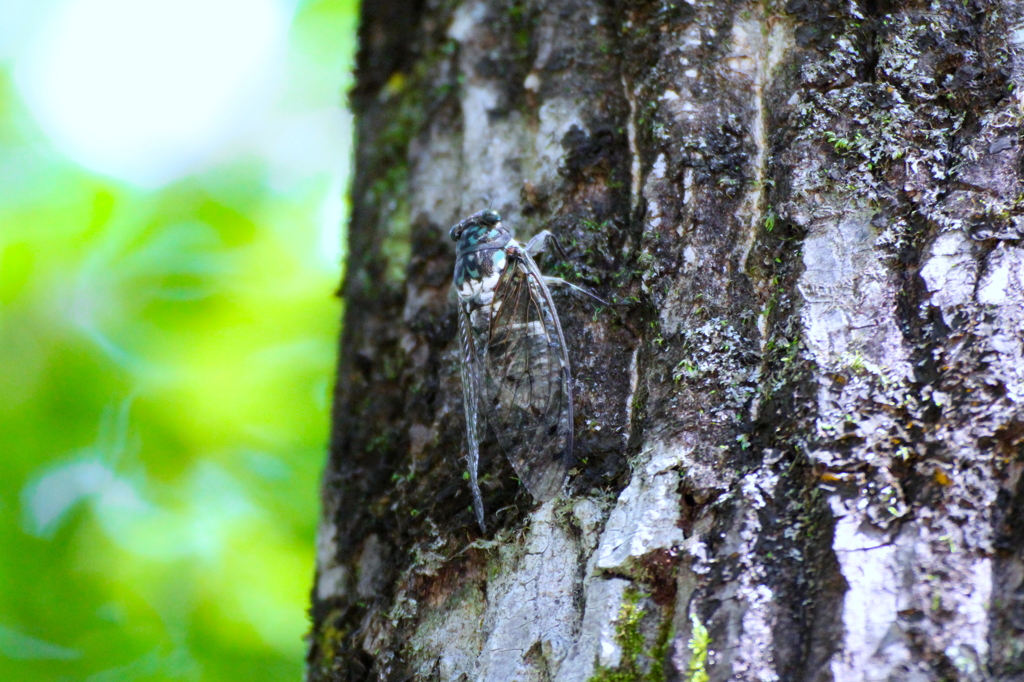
[526,386]
[471,373]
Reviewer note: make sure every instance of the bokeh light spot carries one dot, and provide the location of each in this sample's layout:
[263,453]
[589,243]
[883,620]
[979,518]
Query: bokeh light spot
[145,90]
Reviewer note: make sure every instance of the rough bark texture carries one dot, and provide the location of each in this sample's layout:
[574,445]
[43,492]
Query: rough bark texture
[801,432]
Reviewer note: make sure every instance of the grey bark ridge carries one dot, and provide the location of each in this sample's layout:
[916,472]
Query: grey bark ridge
[805,431]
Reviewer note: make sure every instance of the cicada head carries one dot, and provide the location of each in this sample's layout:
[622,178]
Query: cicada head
[479,255]
[482,230]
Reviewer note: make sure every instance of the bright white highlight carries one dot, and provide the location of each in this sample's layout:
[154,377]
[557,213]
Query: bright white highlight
[146,90]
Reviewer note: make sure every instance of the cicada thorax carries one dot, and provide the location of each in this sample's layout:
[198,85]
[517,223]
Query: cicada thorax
[477,274]
[480,261]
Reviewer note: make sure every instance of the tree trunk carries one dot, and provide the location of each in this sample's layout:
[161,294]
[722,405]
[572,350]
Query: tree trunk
[799,430]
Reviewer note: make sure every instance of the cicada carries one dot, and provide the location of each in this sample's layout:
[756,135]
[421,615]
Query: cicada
[515,370]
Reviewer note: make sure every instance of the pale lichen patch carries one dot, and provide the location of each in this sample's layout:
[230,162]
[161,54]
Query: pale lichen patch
[876,591]
[557,117]
[950,272]
[646,514]
[532,603]
[1003,280]
[371,563]
[331,582]
[849,294]
[449,638]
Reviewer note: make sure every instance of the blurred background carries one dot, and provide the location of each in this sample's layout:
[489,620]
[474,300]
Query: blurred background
[171,200]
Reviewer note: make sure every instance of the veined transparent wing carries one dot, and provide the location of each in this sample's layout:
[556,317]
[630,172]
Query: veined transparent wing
[472,370]
[525,387]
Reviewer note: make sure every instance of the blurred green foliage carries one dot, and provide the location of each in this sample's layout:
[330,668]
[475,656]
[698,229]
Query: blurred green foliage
[165,366]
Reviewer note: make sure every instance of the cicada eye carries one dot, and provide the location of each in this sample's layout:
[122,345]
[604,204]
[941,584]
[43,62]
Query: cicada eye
[456,232]
[489,216]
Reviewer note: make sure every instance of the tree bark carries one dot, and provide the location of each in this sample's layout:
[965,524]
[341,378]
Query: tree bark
[800,431]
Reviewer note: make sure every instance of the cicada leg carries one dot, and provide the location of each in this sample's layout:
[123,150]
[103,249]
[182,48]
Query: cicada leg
[536,246]
[539,241]
[558,281]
